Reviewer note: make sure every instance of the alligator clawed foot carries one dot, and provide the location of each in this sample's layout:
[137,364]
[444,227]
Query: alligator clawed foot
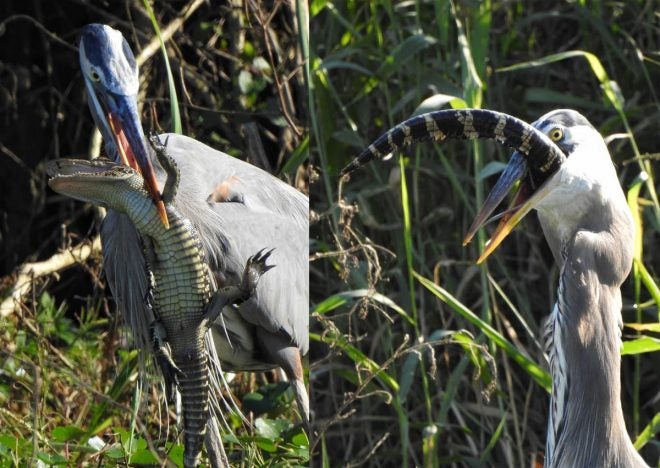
[255,267]
[170,372]
[166,364]
[156,143]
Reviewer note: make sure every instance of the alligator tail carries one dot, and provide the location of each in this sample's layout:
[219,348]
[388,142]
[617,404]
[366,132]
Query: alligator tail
[543,156]
[194,387]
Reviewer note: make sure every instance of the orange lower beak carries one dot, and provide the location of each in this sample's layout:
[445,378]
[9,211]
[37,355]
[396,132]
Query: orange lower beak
[146,169]
[524,200]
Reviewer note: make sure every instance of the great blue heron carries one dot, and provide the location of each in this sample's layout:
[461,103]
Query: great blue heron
[236,207]
[589,228]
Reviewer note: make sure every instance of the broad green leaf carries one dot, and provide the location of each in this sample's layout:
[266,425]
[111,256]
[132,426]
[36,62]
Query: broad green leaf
[271,428]
[143,456]
[67,433]
[645,344]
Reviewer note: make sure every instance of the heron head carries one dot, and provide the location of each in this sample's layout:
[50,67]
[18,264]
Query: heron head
[568,130]
[111,78]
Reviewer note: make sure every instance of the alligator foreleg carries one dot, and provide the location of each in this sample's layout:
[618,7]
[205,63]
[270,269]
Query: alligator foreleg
[254,268]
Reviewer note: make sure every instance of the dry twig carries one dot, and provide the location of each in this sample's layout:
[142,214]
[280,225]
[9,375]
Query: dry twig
[32,271]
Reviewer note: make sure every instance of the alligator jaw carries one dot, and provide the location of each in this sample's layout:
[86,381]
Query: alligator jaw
[99,181]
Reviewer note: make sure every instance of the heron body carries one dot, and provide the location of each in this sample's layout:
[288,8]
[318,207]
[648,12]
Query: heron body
[590,230]
[567,175]
[236,208]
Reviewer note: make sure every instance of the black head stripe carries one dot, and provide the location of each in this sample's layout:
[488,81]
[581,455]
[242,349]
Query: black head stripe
[563,118]
[544,157]
[94,38]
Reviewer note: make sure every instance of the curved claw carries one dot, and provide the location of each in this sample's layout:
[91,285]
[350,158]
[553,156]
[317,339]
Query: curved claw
[254,268]
[169,370]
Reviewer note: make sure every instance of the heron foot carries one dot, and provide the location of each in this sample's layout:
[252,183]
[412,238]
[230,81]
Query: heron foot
[163,354]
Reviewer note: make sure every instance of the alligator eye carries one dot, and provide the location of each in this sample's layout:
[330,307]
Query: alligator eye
[94,75]
[556,134]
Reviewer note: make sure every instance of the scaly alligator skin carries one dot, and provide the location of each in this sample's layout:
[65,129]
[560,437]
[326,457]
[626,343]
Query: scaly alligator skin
[182,290]
[543,157]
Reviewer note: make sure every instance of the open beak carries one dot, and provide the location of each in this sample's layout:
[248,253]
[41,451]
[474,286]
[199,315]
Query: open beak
[526,198]
[123,122]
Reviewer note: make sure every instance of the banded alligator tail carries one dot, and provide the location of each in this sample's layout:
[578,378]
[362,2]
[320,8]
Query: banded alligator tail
[543,156]
[193,385]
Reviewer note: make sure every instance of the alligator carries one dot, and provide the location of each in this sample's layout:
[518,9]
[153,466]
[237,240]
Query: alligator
[182,288]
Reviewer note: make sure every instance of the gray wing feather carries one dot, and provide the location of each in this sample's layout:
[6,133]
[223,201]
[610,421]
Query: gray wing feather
[281,300]
[272,214]
[125,270]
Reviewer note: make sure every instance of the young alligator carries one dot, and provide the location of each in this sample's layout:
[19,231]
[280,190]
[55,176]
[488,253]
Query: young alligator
[182,288]
[543,156]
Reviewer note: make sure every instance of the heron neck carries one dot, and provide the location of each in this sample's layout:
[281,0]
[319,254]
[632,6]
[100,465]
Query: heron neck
[608,217]
[586,424]
[587,427]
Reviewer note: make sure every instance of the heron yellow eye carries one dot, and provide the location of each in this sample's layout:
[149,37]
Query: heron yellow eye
[556,134]
[94,75]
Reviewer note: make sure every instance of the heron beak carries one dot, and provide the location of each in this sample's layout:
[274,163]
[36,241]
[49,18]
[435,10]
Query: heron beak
[525,199]
[513,172]
[126,130]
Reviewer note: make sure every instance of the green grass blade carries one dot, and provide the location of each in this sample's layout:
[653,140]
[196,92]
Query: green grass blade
[357,356]
[534,370]
[339,299]
[174,101]
[650,284]
[648,433]
[299,155]
[407,241]
[493,440]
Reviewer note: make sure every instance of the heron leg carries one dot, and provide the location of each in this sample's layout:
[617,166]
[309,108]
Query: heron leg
[163,354]
[286,355]
[254,268]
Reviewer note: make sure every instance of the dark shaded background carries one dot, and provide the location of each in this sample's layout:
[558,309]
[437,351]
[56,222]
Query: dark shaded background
[43,107]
